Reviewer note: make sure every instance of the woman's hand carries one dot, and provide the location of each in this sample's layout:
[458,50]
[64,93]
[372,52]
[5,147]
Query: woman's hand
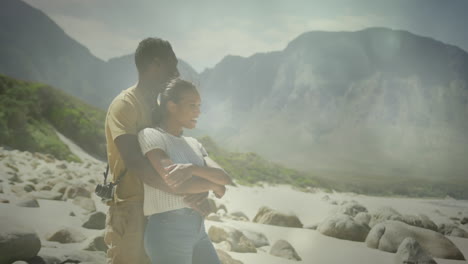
[177,174]
[219,190]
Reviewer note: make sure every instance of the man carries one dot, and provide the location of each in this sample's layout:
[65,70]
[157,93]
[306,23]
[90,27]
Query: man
[128,113]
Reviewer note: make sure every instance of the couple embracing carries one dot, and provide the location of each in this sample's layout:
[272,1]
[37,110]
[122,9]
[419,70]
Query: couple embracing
[160,201]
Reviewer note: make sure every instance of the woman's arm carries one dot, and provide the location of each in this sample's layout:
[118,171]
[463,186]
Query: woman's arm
[182,182]
[211,172]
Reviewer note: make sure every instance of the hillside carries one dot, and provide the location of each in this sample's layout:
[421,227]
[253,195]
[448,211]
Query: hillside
[31,112]
[373,103]
[35,48]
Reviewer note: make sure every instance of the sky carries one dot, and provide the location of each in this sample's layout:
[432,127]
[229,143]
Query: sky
[202,32]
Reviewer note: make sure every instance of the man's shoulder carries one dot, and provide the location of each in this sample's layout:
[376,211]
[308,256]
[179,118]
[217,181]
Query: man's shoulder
[126,96]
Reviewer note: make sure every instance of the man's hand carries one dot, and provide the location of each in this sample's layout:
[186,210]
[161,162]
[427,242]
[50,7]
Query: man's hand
[198,202]
[177,174]
[219,191]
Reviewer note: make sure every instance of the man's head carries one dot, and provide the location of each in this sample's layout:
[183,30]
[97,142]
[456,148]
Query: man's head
[155,61]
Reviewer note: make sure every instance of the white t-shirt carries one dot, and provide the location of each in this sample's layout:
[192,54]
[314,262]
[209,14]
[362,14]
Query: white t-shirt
[180,150]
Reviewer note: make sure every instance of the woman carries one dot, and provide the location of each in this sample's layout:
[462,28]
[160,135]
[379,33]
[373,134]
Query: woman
[175,233]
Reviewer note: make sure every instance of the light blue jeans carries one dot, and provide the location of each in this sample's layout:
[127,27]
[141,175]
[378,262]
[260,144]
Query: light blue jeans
[178,237]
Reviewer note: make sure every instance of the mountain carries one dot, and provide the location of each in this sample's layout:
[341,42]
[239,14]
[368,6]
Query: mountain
[34,48]
[376,102]
[30,113]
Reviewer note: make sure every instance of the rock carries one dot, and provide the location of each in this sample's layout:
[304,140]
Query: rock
[212,205]
[352,208]
[225,258]
[387,236]
[268,216]
[1,188]
[15,178]
[75,191]
[85,203]
[66,235]
[96,220]
[388,213]
[18,189]
[72,214]
[4,201]
[29,187]
[238,215]
[28,202]
[97,244]
[452,230]
[73,255]
[17,242]
[44,187]
[312,226]
[35,181]
[325,198]
[410,251]
[344,227]
[48,195]
[363,218]
[283,249]
[257,238]
[213,217]
[221,207]
[20,262]
[61,166]
[464,221]
[60,187]
[237,240]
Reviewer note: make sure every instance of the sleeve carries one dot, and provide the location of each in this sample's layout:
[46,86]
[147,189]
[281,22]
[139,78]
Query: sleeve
[202,149]
[121,119]
[149,139]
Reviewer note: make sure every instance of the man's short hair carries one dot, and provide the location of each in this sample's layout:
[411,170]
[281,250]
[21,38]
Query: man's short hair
[149,49]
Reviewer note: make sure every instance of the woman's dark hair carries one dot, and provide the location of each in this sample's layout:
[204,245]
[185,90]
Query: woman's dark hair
[173,92]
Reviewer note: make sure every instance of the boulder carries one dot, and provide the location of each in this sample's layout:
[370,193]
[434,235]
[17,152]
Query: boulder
[66,235]
[283,249]
[47,195]
[75,191]
[225,258]
[257,238]
[410,251]
[387,236]
[388,213]
[86,203]
[17,242]
[344,227]
[96,244]
[60,187]
[214,217]
[238,242]
[27,202]
[452,230]
[464,220]
[96,220]
[363,218]
[238,215]
[269,216]
[351,208]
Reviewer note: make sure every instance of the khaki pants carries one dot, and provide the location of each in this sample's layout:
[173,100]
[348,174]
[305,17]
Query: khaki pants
[125,227]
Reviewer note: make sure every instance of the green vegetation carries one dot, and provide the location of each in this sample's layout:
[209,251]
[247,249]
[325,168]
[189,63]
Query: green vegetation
[30,112]
[251,169]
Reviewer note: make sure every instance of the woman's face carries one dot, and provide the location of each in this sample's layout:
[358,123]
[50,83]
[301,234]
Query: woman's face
[187,110]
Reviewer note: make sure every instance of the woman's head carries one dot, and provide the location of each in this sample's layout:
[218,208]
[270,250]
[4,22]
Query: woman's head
[179,103]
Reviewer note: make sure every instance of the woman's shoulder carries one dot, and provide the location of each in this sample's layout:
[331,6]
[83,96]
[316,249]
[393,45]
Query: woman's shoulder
[150,131]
